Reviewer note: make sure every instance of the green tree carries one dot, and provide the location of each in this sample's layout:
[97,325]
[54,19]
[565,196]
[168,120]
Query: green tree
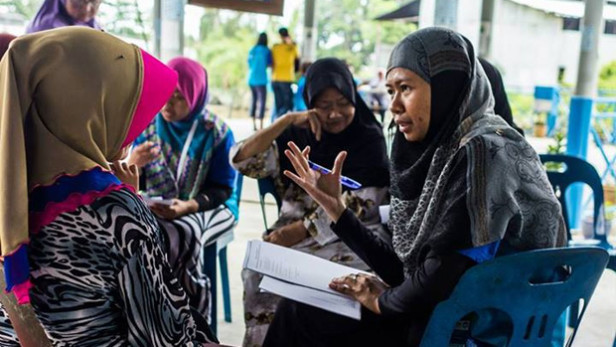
[26,8]
[348,31]
[225,39]
[607,77]
[125,18]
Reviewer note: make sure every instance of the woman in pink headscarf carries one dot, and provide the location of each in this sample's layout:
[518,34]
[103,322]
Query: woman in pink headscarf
[183,155]
[78,244]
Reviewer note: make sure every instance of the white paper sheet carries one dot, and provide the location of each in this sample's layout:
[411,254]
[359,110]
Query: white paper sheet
[157,201]
[300,276]
[293,266]
[338,304]
[384,213]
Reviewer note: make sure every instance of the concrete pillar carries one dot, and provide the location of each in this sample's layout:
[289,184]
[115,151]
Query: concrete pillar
[157,29]
[486,29]
[446,14]
[592,27]
[426,13]
[172,29]
[580,109]
[309,42]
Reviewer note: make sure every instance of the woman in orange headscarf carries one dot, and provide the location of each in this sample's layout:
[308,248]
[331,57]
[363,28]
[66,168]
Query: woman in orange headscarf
[77,243]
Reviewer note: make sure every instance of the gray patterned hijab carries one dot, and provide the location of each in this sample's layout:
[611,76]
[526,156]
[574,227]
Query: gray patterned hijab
[508,196]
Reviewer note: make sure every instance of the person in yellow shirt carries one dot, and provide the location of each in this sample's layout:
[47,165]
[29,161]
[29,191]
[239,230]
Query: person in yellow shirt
[285,58]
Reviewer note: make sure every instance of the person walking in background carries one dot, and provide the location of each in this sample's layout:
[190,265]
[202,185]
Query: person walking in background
[259,59]
[285,62]
[298,100]
[61,13]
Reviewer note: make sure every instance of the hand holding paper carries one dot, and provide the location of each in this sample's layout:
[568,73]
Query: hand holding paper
[292,274]
[364,288]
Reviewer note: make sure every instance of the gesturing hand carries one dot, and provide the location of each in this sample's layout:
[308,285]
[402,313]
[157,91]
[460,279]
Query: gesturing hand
[325,189]
[364,288]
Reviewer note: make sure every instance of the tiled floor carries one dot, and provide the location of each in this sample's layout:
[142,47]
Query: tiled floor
[597,329]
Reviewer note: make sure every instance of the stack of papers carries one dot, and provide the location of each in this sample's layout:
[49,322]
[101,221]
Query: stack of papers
[157,200]
[301,277]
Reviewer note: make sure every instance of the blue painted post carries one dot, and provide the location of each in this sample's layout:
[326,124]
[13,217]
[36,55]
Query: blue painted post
[546,100]
[580,112]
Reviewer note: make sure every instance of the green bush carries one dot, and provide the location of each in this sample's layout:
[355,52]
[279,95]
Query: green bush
[522,109]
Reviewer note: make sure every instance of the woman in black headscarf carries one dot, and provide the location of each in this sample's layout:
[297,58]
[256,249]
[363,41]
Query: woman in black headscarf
[337,120]
[501,103]
[465,187]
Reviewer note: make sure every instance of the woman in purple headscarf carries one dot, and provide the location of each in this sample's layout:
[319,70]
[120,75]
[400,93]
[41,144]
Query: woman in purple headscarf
[61,13]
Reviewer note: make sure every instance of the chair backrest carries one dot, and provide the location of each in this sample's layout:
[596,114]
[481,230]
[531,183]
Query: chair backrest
[516,285]
[267,186]
[576,170]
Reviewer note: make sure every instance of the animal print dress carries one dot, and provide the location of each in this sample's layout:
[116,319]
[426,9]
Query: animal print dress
[100,278]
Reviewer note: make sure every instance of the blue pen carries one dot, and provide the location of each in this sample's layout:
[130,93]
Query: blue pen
[345,181]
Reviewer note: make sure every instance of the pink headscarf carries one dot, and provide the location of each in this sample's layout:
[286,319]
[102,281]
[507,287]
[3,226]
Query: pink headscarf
[158,84]
[192,81]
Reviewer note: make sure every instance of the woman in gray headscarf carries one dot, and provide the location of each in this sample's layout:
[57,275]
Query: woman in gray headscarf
[465,187]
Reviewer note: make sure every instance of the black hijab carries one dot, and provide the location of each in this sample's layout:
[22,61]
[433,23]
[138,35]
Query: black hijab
[411,160]
[501,103]
[363,139]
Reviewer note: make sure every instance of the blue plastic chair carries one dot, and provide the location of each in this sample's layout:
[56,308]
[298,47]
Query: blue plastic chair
[219,248]
[266,186]
[577,170]
[515,286]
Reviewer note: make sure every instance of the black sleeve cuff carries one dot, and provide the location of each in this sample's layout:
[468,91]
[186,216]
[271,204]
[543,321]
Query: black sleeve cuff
[384,304]
[203,201]
[346,222]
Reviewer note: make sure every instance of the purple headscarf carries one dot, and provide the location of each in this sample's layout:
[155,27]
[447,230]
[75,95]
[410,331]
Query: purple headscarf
[53,14]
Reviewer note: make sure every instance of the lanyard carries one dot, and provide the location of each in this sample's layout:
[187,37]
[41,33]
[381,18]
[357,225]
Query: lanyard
[184,156]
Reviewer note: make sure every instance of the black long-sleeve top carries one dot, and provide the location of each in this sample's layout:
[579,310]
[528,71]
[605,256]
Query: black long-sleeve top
[416,296]
[432,282]
[440,269]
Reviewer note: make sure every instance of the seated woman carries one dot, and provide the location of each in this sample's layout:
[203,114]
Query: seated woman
[184,155]
[61,13]
[81,247]
[465,186]
[337,120]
